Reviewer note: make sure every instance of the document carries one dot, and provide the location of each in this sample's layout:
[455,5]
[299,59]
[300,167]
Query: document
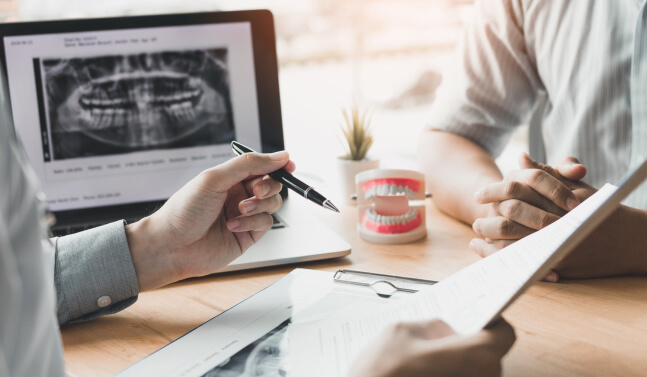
[250,339]
[468,300]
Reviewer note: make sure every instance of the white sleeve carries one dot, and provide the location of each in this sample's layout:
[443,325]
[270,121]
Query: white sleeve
[492,85]
[30,342]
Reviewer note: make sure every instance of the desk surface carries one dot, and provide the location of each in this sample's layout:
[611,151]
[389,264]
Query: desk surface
[574,328]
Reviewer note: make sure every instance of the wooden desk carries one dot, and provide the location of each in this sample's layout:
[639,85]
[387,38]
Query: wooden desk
[575,328]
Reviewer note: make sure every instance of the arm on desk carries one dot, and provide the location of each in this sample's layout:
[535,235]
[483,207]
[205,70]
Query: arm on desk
[455,168]
[204,226]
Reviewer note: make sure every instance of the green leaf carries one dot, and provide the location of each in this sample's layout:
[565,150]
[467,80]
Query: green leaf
[356,131]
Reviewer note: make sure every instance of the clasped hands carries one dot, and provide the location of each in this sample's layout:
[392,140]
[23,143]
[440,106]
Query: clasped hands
[527,200]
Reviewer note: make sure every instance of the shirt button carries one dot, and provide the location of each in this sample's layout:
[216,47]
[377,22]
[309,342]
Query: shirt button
[104,301]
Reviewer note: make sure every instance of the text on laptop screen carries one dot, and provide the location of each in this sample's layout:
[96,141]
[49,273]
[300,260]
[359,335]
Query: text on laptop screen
[130,115]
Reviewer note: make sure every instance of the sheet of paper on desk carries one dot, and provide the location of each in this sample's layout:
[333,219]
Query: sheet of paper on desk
[250,339]
[467,300]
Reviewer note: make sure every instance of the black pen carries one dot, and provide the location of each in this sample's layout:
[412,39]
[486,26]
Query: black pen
[290,181]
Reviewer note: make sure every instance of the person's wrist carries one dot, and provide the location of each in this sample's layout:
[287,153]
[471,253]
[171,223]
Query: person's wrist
[152,261]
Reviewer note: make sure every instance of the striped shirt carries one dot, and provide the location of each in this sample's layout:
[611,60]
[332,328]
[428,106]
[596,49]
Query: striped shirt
[588,59]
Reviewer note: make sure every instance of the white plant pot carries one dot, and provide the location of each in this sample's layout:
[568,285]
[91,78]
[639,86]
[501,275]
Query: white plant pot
[347,170]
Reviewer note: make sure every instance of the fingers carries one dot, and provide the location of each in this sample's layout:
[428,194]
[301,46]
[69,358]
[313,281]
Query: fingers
[488,247]
[500,227]
[518,185]
[290,167]
[260,222]
[570,168]
[256,210]
[525,214]
[526,162]
[254,205]
[263,187]
[552,277]
[500,244]
[433,329]
[513,190]
[238,169]
[482,248]
[499,337]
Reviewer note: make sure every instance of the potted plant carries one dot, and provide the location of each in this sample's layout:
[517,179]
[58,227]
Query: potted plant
[357,140]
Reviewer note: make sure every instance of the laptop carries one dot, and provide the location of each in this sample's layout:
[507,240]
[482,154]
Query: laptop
[117,114]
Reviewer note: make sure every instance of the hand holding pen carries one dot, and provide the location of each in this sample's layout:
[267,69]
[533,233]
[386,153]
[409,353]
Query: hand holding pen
[290,181]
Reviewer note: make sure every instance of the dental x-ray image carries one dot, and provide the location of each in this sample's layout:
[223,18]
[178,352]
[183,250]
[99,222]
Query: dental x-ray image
[114,104]
[266,357]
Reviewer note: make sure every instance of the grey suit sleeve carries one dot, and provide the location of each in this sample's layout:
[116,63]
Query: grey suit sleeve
[94,273]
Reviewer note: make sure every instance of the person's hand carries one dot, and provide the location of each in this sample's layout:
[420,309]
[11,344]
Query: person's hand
[209,222]
[528,200]
[569,172]
[615,248]
[432,348]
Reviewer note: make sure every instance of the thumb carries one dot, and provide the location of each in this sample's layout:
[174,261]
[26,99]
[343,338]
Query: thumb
[570,168]
[499,337]
[526,162]
[238,169]
[434,329]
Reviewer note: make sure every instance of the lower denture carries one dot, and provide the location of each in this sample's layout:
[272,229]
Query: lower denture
[390,228]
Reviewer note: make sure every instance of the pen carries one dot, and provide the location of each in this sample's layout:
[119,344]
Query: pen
[290,181]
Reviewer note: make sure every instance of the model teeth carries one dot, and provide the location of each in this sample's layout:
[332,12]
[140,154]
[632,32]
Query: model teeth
[411,215]
[389,190]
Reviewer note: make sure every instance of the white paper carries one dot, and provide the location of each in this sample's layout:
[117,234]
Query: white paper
[250,339]
[467,300]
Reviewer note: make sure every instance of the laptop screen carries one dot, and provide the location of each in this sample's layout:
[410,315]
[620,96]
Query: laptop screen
[130,115]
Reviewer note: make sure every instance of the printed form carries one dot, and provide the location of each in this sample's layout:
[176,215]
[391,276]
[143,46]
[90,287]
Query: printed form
[468,300]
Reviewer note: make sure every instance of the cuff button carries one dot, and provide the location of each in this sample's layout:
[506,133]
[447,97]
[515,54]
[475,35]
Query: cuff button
[104,301]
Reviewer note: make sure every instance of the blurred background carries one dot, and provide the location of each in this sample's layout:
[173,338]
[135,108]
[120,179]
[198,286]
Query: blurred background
[388,55]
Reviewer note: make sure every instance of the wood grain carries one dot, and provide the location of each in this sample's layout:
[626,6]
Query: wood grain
[573,328]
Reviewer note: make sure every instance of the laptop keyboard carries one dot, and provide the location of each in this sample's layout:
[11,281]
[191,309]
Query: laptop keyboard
[64,231]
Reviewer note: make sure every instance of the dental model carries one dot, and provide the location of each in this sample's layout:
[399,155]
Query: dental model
[391,205]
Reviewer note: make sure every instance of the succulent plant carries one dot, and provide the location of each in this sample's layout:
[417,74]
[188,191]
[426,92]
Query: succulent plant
[357,132]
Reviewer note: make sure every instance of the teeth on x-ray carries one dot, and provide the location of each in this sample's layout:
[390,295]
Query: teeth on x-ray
[126,103]
[120,101]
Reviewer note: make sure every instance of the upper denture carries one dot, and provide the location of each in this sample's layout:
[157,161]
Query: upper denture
[390,187]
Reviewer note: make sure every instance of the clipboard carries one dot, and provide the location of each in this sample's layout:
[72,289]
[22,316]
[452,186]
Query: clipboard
[382,284]
[257,326]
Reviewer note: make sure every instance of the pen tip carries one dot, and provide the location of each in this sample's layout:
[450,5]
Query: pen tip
[330,206]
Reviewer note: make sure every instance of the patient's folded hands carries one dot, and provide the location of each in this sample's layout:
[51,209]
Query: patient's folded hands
[531,198]
[209,222]
[525,201]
